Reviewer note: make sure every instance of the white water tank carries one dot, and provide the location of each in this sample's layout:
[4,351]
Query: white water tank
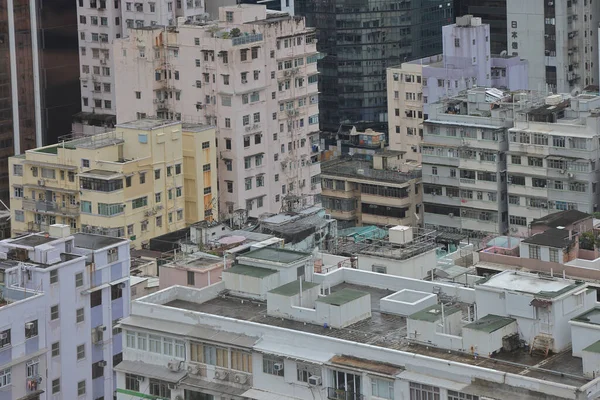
[400,234]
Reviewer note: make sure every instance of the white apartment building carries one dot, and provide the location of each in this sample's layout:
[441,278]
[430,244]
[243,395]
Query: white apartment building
[464,186]
[253,74]
[356,335]
[466,61]
[61,298]
[558,38]
[552,162]
[100,23]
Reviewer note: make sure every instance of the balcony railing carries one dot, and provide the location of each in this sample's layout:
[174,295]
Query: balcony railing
[50,207]
[341,394]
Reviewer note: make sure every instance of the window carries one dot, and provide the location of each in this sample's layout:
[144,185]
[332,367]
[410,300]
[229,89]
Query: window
[56,386]
[229,16]
[55,349]
[80,388]
[79,315]
[206,167]
[31,329]
[19,216]
[452,395]
[96,298]
[419,391]
[248,183]
[159,388]
[205,145]
[98,369]
[79,279]
[534,252]
[81,352]
[273,365]
[142,339]
[515,160]
[139,202]
[54,276]
[132,382]
[382,388]
[554,255]
[54,313]
[191,278]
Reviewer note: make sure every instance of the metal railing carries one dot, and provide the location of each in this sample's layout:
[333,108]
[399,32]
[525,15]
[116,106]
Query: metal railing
[50,207]
[341,394]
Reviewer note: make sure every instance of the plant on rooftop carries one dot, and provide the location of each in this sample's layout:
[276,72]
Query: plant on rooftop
[235,32]
[587,241]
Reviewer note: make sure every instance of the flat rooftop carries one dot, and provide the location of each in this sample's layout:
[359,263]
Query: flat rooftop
[293,288]
[590,317]
[33,240]
[389,331]
[490,323]
[282,256]
[187,127]
[248,270]
[344,296]
[101,173]
[95,242]
[530,283]
[148,124]
[434,313]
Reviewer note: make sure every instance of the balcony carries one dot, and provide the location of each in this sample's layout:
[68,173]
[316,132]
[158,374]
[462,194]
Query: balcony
[50,207]
[340,394]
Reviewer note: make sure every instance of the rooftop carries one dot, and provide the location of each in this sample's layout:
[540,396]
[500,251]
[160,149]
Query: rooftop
[360,169]
[187,127]
[490,323]
[101,173]
[148,124]
[282,256]
[33,240]
[434,313]
[593,348]
[591,317]
[552,237]
[343,296]
[293,288]
[95,242]
[389,331]
[248,270]
[562,218]
[530,283]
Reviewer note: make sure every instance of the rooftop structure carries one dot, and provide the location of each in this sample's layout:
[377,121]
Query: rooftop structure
[224,73]
[124,183]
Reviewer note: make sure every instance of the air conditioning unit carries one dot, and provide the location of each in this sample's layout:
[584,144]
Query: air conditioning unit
[244,81]
[41,182]
[562,171]
[221,375]
[278,367]
[3,335]
[173,365]
[29,325]
[122,285]
[101,328]
[97,336]
[241,379]
[451,215]
[140,378]
[102,364]
[172,386]
[314,380]
[193,369]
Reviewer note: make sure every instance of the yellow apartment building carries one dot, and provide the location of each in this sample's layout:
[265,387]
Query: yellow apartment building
[146,178]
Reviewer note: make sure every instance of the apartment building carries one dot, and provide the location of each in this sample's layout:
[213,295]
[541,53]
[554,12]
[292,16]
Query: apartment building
[558,38]
[61,299]
[466,62]
[285,331]
[100,23]
[464,145]
[146,178]
[253,74]
[552,159]
[384,191]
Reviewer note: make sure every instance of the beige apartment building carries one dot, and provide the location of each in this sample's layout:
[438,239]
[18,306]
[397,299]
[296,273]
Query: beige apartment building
[146,178]
[252,74]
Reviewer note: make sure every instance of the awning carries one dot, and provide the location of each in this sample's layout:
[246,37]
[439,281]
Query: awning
[95,288]
[431,380]
[262,395]
[151,371]
[31,396]
[206,386]
[50,165]
[294,352]
[120,280]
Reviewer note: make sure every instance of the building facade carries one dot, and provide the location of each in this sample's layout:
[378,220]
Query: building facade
[568,60]
[352,79]
[38,40]
[466,61]
[100,23]
[147,178]
[464,145]
[552,160]
[63,297]
[491,12]
[358,192]
[252,74]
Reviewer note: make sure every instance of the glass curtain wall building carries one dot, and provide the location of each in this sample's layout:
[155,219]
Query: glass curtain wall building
[358,41]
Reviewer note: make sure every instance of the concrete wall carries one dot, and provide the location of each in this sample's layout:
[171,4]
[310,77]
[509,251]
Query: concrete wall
[583,335]
[486,343]
[175,275]
[591,364]
[407,302]
[415,267]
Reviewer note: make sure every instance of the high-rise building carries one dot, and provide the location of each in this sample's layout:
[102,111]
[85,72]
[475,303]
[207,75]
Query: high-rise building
[100,23]
[253,74]
[39,79]
[61,300]
[146,178]
[359,41]
[559,39]
[466,62]
[491,12]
